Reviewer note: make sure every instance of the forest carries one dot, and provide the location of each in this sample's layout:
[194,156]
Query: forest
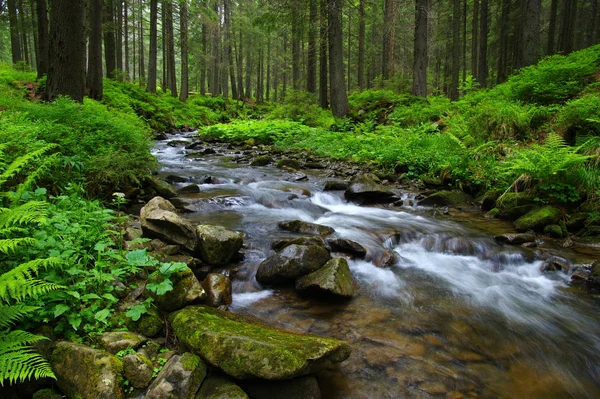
[299,198]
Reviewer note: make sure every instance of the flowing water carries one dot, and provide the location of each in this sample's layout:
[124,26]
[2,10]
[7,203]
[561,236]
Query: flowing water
[455,316]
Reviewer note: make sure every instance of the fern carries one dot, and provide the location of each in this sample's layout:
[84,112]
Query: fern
[13,313]
[18,362]
[10,245]
[23,162]
[29,212]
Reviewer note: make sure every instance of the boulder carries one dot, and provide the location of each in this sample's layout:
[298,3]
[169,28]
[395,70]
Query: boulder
[335,185]
[190,189]
[46,393]
[334,278]
[278,245]
[262,160]
[513,205]
[488,200]
[218,289]
[577,221]
[217,245]
[347,246]
[298,226]
[137,370]
[291,263]
[298,388]
[446,198]
[362,189]
[593,280]
[117,341]
[159,220]
[161,187]
[176,179]
[515,239]
[179,379]
[289,163]
[187,290]
[555,263]
[539,218]
[554,231]
[245,349]
[218,387]
[83,372]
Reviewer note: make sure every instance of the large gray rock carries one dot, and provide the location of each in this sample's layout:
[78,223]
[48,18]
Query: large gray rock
[86,373]
[117,341]
[161,187]
[160,220]
[446,198]
[218,289]
[515,239]
[187,290]
[278,245]
[298,388]
[334,278]
[217,245]
[220,388]
[179,379]
[137,370]
[347,246]
[363,189]
[246,349]
[291,263]
[298,226]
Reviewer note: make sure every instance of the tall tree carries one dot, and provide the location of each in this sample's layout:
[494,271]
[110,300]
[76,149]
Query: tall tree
[361,45]
[389,38]
[531,32]
[152,57]
[226,46]
[15,40]
[337,87]
[550,47]
[482,67]
[108,29]
[126,37]
[567,26]
[474,37]
[66,70]
[42,27]
[455,68]
[119,36]
[141,45]
[503,48]
[323,74]
[296,24]
[311,67]
[171,81]
[94,73]
[183,39]
[419,87]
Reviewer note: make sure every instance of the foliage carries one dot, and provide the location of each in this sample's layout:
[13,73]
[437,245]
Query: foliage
[301,106]
[580,117]
[263,132]
[429,110]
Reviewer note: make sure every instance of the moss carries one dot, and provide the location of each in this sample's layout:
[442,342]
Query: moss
[538,219]
[220,388]
[513,205]
[150,324]
[446,198]
[553,230]
[190,361]
[46,394]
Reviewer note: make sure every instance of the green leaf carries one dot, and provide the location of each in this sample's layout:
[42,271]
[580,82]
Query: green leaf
[160,288]
[74,294]
[60,309]
[102,315]
[87,297]
[110,297]
[136,311]
[74,320]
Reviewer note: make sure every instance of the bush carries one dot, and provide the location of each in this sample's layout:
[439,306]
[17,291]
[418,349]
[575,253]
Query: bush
[579,117]
[429,110]
[301,106]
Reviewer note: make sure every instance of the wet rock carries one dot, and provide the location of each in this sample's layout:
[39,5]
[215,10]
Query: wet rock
[178,143]
[291,263]
[554,231]
[117,341]
[244,349]
[176,179]
[347,246]
[488,200]
[314,165]
[289,163]
[334,278]
[286,242]
[262,160]
[217,245]
[577,221]
[362,189]
[218,289]
[179,379]
[160,136]
[150,324]
[555,263]
[190,189]
[515,239]
[297,388]
[162,188]
[298,226]
[334,185]
[137,370]
[46,393]
[83,372]
[513,205]
[186,291]
[386,258]
[593,281]
[299,177]
[446,198]
[218,387]
[539,218]
[194,146]
[159,220]
[209,151]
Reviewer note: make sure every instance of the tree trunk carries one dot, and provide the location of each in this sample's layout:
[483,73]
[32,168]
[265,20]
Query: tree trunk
[268,88]
[339,96]
[503,48]
[550,47]
[214,59]
[240,69]
[108,29]
[15,41]
[183,38]
[141,45]
[66,69]
[464,41]
[42,26]
[531,32]
[152,58]
[474,36]
[389,38]
[134,41]
[311,72]
[296,44]
[591,25]
[226,46]
[349,51]
[203,63]
[94,75]
[567,26]
[361,45]
[126,38]
[119,37]
[23,31]
[419,87]
[323,75]
[456,11]
[482,68]
[171,82]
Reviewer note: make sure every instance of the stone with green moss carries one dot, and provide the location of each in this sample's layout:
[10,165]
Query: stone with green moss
[150,324]
[137,369]
[299,226]
[86,373]
[244,348]
[364,189]
[116,341]
[512,206]
[334,278]
[577,221]
[217,245]
[218,387]
[161,187]
[179,379]
[291,263]
[538,219]
[46,394]
[446,198]
[554,231]
[262,160]
[280,244]
[488,200]
[289,163]
[187,290]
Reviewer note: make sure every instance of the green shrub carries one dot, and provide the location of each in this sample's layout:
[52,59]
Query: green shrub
[301,106]
[579,117]
[429,110]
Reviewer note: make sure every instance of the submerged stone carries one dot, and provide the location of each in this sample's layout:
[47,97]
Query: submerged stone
[334,278]
[291,263]
[298,226]
[262,160]
[298,388]
[245,349]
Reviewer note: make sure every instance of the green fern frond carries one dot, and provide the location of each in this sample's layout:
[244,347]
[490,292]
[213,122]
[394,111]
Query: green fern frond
[12,231]
[24,161]
[18,362]
[10,244]
[19,283]
[29,212]
[456,140]
[10,314]
[34,176]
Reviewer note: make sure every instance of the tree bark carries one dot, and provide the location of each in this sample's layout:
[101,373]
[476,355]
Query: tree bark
[119,37]
[361,45]
[126,38]
[389,38]
[531,32]
[311,72]
[296,44]
[171,82]
[226,46]
[42,26]
[455,68]
[550,48]
[15,41]
[183,38]
[482,67]
[23,30]
[152,58]
[141,45]
[474,37]
[567,26]
[323,70]
[66,72]
[339,96]
[503,48]
[419,87]
[108,29]
[268,88]
[94,75]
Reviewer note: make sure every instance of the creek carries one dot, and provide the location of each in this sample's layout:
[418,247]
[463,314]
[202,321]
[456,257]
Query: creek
[456,315]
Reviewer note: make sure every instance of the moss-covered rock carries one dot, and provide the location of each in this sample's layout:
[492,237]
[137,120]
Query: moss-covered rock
[291,263]
[538,219]
[218,289]
[161,187]
[117,341]
[289,163]
[298,226]
[137,370]
[187,290]
[245,349]
[515,239]
[280,244]
[488,200]
[335,185]
[577,221]
[217,245]
[363,189]
[160,220]
[218,387]
[446,198]
[346,246]
[334,278]
[554,231]
[179,379]
[262,160]
[150,324]
[46,393]
[86,373]
[298,388]
[513,205]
